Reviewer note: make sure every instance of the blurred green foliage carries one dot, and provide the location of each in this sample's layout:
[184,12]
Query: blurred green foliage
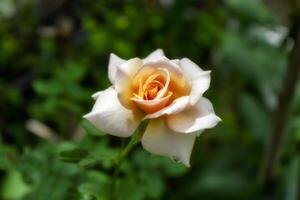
[54,55]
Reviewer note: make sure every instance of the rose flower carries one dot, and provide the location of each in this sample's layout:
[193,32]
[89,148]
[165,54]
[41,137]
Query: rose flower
[168,92]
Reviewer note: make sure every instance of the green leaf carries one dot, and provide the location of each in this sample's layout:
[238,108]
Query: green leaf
[172,168]
[12,181]
[154,185]
[129,189]
[74,155]
[8,156]
[255,116]
[90,162]
[96,186]
[250,11]
[51,179]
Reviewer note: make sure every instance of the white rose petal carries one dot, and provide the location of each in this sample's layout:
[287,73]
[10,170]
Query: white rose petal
[110,116]
[199,79]
[160,140]
[114,62]
[189,67]
[198,117]
[155,55]
[124,75]
[199,85]
[96,95]
[165,63]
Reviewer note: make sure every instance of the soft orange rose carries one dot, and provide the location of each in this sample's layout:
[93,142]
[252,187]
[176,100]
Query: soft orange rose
[169,92]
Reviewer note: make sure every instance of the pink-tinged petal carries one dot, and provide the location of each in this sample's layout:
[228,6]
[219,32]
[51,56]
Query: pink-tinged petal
[150,106]
[160,140]
[195,118]
[155,55]
[199,79]
[110,116]
[114,62]
[123,83]
[176,106]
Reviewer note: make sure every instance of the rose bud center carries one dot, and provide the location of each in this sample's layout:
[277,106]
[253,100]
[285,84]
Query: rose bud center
[152,93]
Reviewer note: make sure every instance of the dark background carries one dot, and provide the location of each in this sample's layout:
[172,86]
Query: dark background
[54,55]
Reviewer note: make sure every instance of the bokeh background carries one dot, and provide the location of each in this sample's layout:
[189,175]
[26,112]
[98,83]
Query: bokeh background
[54,56]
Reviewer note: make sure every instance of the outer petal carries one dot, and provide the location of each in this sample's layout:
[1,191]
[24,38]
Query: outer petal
[176,106]
[164,62]
[114,62]
[200,79]
[176,61]
[130,67]
[110,116]
[159,139]
[155,55]
[96,95]
[189,67]
[124,75]
[199,85]
[195,118]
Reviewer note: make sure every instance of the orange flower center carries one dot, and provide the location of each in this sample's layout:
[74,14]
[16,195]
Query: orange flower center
[151,87]
[152,90]
[155,88]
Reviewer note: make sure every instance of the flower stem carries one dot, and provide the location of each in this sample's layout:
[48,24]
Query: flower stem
[135,138]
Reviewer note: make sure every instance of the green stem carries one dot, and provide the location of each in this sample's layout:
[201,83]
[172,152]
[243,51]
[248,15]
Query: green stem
[133,141]
[135,138]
